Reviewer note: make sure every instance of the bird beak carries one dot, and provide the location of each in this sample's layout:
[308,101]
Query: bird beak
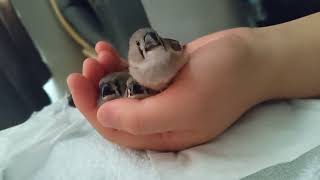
[151,40]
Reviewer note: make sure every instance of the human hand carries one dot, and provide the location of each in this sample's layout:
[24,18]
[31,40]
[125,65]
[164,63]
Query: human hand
[222,80]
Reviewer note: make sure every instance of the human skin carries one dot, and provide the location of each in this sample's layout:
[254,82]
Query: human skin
[229,72]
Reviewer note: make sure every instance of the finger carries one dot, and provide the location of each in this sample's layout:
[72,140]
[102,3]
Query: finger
[93,71]
[151,142]
[111,61]
[155,114]
[103,46]
[84,95]
[82,91]
[171,141]
[163,112]
[107,55]
[85,100]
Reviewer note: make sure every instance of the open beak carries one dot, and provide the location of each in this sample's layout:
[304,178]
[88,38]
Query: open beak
[152,40]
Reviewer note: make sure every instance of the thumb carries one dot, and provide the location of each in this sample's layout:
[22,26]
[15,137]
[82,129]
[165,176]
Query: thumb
[139,117]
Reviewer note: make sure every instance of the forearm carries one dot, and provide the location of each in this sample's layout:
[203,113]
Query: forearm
[291,52]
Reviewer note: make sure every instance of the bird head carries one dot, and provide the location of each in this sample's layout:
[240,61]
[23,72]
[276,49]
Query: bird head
[146,46]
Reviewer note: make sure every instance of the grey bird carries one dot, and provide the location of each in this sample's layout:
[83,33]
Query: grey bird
[153,62]
[113,86]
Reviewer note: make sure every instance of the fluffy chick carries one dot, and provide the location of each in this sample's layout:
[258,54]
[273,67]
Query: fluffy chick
[154,61]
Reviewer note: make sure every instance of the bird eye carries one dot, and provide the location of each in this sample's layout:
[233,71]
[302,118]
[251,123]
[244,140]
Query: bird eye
[139,48]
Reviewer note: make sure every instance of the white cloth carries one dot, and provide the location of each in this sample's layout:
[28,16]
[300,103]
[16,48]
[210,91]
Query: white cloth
[269,135]
[58,143]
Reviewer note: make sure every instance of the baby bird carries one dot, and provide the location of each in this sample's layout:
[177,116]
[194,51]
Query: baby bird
[153,62]
[113,86]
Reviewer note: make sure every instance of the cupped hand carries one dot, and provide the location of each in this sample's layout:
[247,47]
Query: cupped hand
[222,80]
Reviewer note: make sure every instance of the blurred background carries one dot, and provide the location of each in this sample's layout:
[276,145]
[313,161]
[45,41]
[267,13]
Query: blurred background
[41,42]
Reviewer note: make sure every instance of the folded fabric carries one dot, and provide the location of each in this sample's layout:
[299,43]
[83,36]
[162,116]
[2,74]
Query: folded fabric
[306,167]
[268,135]
[58,143]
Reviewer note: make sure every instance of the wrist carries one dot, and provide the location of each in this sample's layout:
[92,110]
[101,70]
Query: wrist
[262,64]
[255,63]
[266,60]
[290,55]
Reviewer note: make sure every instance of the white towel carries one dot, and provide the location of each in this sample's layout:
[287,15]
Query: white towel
[266,136]
[58,143]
